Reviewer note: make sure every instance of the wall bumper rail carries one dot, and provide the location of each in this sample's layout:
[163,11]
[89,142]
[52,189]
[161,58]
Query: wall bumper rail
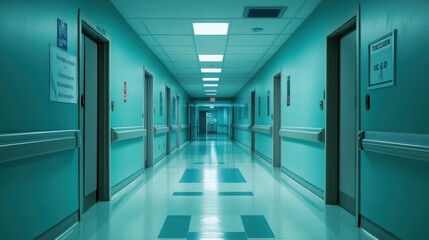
[303,133]
[15,146]
[174,127]
[158,129]
[184,126]
[124,133]
[242,126]
[267,129]
[409,145]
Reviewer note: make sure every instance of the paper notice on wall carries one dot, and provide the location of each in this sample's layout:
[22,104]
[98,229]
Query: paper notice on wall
[63,79]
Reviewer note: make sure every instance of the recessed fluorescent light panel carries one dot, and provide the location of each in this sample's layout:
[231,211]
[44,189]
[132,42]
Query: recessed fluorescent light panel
[210,28]
[211,70]
[210,79]
[210,58]
[210,90]
[210,85]
[210,94]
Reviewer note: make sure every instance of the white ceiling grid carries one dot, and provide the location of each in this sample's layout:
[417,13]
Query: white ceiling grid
[166,27]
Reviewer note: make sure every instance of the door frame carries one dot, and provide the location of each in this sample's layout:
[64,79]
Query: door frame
[168,118]
[277,119]
[148,118]
[178,131]
[85,27]
[332,105]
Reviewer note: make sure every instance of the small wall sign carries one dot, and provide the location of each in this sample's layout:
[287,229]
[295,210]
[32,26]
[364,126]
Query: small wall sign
[382,61]
[61,34]
[63,76]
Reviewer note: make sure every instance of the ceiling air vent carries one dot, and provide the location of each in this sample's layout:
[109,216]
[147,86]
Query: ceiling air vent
[264,12]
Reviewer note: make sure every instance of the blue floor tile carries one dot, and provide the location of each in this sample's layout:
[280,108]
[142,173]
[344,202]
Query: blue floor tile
[221,235]
[223,175]
[235,193]
[188,194]
[175,227]
[256,226]
[231,175]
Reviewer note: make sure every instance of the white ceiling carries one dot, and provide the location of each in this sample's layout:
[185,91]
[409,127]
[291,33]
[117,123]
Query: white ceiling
[166,27]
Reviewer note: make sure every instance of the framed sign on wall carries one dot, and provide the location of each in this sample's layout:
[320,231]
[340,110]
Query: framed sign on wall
[381,63]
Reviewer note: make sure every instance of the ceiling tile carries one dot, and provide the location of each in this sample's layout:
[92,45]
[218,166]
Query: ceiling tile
[281,39]
[138,26]
[292,26]
[183,57]
[242,58]
[230,64]
[191,64]
[174,40]
[246,49]
[163,57]
[188,50]
[169,26]
[273,49]
[236,70]
[157,50]
[219,49]
[210,40]
[149,40]
[293,8]
[255,40]
[187,70]
[266,57]
[307,8]
[269,26]
[211,64]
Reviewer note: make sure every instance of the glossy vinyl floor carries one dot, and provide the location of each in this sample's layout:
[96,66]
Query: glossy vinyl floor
[212,189]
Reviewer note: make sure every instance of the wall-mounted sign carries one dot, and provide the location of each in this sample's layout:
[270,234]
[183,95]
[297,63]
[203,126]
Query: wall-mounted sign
[125,91]
[382,61]
[61,34]
[288,91]
[63,80]
[268,103]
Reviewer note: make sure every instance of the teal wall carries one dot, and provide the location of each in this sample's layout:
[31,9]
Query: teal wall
[394,190]
[39,192]
[303,60]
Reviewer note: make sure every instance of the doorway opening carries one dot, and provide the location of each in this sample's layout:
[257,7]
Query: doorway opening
[252,120]
[94,116]
[276,116]
[148,119]
[168,118]
[342,114]
[178,131]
